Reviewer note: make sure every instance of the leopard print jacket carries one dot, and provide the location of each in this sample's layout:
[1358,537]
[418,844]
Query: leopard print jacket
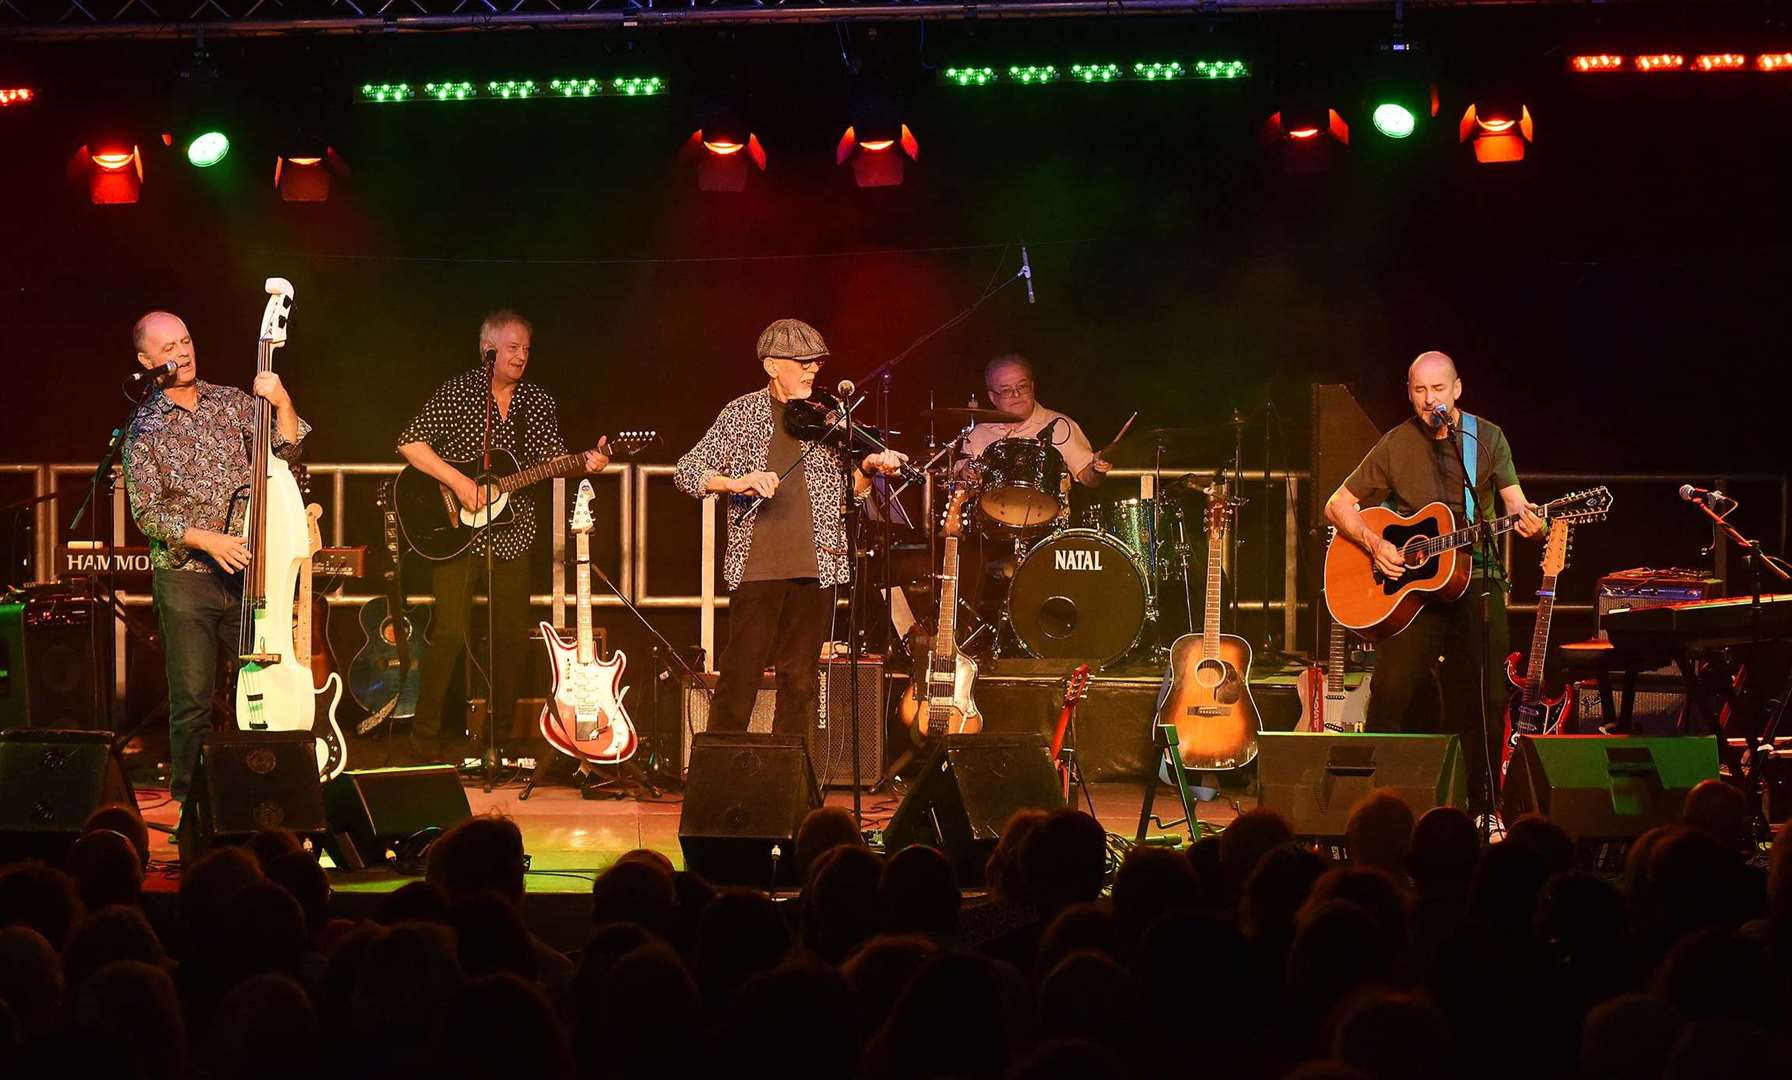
[738,443]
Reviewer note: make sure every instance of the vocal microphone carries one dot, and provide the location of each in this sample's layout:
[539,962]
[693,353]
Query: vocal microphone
[1703,495]
[844,389]
[1440,415]
[1026,271]
[155,372]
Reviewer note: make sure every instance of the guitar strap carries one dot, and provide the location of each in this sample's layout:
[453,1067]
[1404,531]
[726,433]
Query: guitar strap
[1470,458]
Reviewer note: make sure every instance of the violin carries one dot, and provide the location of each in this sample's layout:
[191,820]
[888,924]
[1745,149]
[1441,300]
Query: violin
[817,419]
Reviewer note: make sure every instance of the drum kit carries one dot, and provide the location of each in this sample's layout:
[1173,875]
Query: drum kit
[1093,588]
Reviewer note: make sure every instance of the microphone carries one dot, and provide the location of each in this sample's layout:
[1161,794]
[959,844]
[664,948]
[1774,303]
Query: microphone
[844,389]
[1703,495]
[1440,415]
[1026,271]
[155,372]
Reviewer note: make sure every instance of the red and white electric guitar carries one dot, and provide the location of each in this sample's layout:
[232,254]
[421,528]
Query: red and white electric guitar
[584,717]
[1326,705]
[1528,710]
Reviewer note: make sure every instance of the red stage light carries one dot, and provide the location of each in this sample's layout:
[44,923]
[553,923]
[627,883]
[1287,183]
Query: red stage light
[116,175]
[720,165]
[1596,62]
[723,148]
[876,145]
[1304,133]
[1498,135]
[872,164]
[1720,62]
[304,177]
[1774,62]
[1660,62]
[18,95]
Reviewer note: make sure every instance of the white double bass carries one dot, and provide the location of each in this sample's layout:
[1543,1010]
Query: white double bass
[274,689]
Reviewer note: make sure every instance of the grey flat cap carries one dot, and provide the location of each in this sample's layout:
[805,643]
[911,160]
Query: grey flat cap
[792,339]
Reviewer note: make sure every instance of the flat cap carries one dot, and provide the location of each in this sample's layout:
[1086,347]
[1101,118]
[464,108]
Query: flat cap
[792,339]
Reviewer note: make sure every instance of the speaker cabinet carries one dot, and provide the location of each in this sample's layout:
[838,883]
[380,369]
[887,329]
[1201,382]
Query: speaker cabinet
[49,782]
[1601,787]
[745,796]
[828,733]
[371,810]
[248,781]
[1315,780]
[49,663]
[1660,702]
[967,789]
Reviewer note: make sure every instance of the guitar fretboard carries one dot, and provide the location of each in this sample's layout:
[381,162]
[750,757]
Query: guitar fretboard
[1546,605]
[564,465]
[587,651]
[1210,625]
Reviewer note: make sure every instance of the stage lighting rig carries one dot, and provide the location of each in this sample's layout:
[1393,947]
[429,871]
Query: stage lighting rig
[877,141]
[1500,128]
[725,145]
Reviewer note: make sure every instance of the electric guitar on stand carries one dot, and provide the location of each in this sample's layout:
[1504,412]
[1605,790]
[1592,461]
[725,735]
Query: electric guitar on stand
[1528,711]
[1326,705]
[332,754]
[938,701]
[1062,758]
[583,717]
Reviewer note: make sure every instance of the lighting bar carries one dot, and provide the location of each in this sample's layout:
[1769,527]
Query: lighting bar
[1595,63]
[1777,62]
[17,95]
[1156,71]
[1655,62]
[1720,62]
[514,89]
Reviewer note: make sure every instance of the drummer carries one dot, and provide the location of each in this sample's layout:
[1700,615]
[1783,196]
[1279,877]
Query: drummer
[1009,380]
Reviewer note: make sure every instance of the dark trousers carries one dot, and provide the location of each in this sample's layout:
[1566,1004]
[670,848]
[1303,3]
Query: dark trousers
[200,614]
[509,596]
[1403,666]
[780,623]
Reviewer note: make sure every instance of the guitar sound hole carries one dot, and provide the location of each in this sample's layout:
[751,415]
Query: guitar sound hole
[1210,673]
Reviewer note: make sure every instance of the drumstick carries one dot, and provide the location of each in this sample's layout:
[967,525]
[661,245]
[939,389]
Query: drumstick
[1124,428]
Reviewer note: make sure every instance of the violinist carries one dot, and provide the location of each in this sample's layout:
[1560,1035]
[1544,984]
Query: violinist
[787,548]
[186,456]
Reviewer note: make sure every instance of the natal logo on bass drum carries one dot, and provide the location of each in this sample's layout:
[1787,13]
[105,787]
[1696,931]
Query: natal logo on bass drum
[1077,559]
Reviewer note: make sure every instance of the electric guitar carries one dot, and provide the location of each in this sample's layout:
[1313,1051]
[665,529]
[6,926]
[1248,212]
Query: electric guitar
[1326,705]
[938,702]
[332,755]
[438,527]
[583,717]
[1209,702]
[1361,597]
[1073,695]
[1528,711]
[383,676]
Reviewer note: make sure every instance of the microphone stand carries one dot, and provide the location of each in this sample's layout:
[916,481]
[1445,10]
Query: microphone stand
[489,488]
[1454,435]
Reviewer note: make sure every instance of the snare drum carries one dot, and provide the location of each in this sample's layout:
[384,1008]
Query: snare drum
[1078,593]
[1021,486]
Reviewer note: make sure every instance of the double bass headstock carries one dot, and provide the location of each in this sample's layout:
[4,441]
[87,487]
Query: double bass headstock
[279,309]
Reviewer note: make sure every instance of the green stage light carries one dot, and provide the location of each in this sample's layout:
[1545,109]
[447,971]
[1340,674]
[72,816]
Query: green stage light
[508,89]
[384,92]
[577,87]
[1222,69]
[977,76]
[639,87]
[1159,72]
[449,91]
[208,149]
[1033,74]
[1394,121]
[1093,73]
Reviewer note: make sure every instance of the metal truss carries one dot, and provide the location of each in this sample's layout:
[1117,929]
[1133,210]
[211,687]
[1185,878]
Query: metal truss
[272,18]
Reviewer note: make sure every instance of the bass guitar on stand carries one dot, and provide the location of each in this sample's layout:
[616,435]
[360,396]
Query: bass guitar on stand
[583,717]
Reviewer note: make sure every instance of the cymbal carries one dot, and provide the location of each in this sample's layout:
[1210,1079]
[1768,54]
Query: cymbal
[981,416]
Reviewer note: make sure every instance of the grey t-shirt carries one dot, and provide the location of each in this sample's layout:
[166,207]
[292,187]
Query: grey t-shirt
[784,534]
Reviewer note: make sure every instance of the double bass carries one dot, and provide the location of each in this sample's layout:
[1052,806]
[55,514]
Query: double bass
[274,690]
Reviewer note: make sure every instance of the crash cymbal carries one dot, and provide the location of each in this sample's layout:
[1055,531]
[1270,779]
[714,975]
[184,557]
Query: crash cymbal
[982,416]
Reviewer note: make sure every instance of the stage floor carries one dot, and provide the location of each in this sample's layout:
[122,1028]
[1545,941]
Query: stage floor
[570,838]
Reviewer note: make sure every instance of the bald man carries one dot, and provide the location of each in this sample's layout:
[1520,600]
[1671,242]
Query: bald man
[1416,463]
[186,458]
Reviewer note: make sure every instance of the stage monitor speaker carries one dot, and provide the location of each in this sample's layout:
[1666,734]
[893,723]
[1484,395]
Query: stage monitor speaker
[967,788]
[372,810]
[247,781]
[745,796]
[49,666]
[49,782]
[1316,780]
[828,734]
[1601,787]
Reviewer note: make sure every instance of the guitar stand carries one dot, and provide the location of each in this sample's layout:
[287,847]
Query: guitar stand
[1074,770]
[1169,757]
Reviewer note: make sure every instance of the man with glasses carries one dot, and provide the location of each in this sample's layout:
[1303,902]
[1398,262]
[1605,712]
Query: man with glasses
[787,547]
[1009,380]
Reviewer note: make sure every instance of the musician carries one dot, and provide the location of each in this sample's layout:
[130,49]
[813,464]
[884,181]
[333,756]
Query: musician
[187,454]
[526,422]
[1009,382]
[787,553]
[1414,464]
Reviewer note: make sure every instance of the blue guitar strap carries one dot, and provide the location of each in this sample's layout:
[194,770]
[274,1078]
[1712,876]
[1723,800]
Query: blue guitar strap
[1471,455]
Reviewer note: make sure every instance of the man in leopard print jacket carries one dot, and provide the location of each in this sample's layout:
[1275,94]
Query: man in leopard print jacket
[787,548]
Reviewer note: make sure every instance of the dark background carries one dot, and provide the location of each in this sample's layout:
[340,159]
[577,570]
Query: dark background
[1616,302]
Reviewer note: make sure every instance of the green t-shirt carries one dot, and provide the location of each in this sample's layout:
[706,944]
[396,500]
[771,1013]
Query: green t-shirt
[1408,468]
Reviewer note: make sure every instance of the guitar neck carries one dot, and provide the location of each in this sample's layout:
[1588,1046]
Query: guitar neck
[1546,606]
[1334,659]
[564,465]
[945,643]
[1467,536]
[587,651]
[1210,625]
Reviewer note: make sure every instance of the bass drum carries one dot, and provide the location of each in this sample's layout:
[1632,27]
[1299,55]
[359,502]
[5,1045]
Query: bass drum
[1078,594]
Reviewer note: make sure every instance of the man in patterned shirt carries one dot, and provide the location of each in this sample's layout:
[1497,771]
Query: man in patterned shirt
[186,457]
[787,547]
[526,422]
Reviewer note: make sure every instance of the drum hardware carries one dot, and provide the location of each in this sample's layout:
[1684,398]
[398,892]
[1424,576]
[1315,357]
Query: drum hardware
[972,415]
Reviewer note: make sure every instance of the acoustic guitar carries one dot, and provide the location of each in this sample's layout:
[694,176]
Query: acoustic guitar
[384,675]
[1438,564]
[1209,702]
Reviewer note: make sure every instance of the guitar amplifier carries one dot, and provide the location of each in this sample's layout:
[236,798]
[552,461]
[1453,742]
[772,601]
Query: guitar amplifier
[828,734]
[1660,699]
[51,660]
[1644,587]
